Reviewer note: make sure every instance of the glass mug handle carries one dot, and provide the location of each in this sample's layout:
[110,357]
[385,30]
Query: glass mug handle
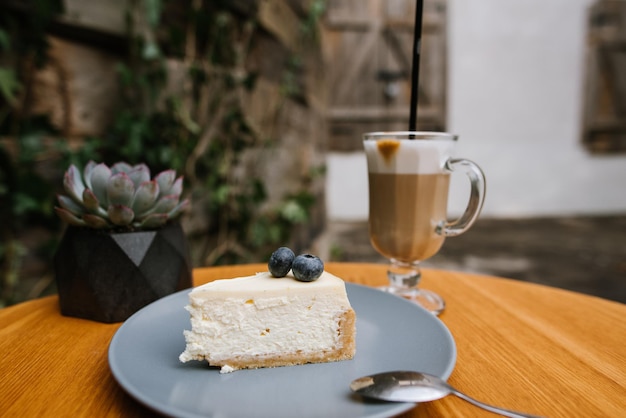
[476,200]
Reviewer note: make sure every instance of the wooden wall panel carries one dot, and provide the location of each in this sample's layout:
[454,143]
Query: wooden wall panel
[604,121]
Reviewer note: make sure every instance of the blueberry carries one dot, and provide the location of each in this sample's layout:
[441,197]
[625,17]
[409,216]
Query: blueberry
[307,267]
[280,262]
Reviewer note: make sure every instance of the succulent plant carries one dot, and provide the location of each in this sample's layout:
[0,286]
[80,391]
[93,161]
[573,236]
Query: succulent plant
[120,196]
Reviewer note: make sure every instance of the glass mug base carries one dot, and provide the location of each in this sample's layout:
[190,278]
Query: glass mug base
[427,299]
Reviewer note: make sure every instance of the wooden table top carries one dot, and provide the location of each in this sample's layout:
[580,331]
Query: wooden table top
[522,346]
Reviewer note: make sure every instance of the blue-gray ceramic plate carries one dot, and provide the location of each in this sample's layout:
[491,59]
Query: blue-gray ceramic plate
[392,334]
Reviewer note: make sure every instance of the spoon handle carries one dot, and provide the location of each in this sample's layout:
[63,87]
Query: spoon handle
[494,409]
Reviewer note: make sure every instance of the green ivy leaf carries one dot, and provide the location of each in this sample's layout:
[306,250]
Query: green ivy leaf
[294,212]
[221,194]
[5,41]
[153,12]
[25,203]
[150,50]
[8,84]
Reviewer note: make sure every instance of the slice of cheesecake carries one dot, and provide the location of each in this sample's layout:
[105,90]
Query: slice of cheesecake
[264,321]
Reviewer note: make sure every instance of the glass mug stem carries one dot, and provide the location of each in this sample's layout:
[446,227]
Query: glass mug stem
[403,281]
[476,200]
[403,275]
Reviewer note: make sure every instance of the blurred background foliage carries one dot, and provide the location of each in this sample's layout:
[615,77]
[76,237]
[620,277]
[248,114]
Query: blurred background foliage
[200,131]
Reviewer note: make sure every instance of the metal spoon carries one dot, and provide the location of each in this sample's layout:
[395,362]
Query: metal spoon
[405,386]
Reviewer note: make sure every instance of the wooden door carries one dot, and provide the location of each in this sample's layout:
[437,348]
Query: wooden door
[367,50]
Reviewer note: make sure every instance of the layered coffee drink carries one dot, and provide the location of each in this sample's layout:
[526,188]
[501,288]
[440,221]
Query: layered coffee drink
[405,215]
[408,189]
[409,177]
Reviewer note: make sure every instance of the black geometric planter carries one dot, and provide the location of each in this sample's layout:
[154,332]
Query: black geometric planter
[107,277]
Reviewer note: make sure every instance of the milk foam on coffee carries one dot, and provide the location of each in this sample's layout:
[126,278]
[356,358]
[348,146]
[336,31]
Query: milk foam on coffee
[423,156]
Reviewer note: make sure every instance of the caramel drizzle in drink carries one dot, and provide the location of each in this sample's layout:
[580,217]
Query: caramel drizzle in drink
[388,148]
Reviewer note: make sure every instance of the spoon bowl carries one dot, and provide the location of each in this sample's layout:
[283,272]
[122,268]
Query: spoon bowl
[408,386]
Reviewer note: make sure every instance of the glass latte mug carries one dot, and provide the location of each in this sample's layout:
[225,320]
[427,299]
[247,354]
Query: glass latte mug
[409,177]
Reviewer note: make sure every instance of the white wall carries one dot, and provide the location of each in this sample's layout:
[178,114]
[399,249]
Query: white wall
[516,76]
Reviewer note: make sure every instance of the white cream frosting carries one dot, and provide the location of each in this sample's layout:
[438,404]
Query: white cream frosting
[412,157]
[263,315]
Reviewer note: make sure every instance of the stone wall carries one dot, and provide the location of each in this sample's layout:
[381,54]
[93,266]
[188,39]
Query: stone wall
[78,89]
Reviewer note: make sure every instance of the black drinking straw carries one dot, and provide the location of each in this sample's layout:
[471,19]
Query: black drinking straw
[415,71]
